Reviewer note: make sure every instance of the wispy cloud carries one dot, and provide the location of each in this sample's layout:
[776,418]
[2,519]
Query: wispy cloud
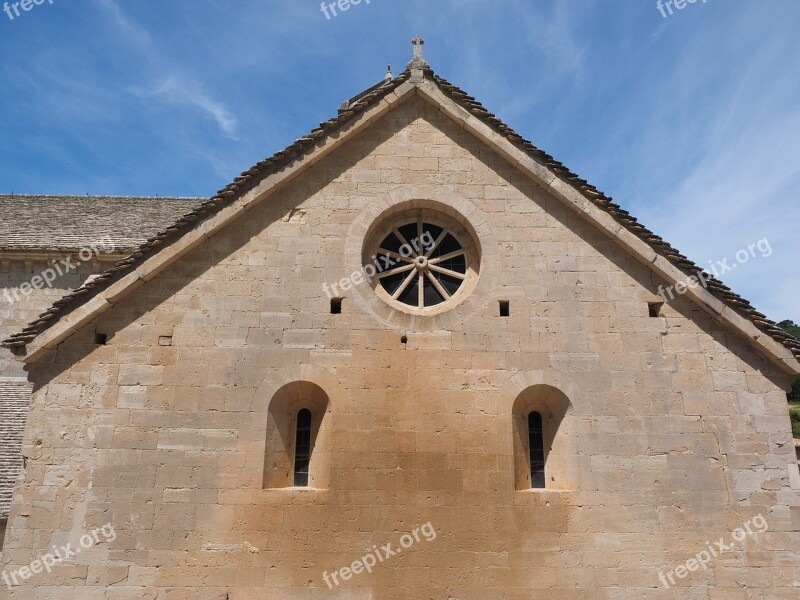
[722,139]
[175,86]
[124,23]
[176,91]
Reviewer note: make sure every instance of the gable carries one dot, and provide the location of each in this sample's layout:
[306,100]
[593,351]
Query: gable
[267,178]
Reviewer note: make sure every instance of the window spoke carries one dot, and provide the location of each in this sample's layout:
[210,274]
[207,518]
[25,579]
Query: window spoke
[393,254]
[447,272]
[444,257]
[401,237]
[436,245]
[396,270]
[404,285]
[439,287]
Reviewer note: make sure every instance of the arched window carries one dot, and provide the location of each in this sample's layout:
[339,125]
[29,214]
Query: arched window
[302,448]
[536,445]
[297,445]
[545,454]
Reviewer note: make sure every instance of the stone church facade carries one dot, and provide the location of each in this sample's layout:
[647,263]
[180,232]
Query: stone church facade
[412,357]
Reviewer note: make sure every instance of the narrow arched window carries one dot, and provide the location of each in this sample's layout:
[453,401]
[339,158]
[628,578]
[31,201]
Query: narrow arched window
[536,445]
[302,448]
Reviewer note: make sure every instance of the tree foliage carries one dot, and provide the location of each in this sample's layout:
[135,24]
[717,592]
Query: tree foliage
[792,328]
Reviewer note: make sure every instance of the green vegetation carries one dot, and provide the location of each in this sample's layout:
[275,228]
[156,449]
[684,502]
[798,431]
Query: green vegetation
[794,413]
[793,328]
[794,395]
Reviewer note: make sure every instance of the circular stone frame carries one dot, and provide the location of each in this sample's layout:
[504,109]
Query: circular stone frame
[449,207]
[417,263]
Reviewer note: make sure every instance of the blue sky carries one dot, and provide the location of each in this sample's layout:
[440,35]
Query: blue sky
[691,122]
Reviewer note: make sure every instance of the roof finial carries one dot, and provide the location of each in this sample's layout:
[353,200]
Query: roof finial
[389,75]
[418,62]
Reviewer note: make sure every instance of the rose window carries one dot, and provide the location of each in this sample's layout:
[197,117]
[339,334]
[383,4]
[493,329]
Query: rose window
[421,264]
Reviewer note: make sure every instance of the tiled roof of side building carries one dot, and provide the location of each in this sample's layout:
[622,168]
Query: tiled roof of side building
[68,223]
[14,400]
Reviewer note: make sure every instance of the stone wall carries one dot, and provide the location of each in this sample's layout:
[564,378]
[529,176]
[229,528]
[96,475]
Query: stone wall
[19,305]
[677,432]
[18,308]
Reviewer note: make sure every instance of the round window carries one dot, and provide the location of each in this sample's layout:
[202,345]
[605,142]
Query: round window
[422,264]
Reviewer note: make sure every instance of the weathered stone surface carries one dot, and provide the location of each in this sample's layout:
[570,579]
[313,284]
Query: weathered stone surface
[659,449]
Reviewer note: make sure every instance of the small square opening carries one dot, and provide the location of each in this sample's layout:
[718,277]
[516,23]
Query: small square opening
[505,308]
[654,309]
[336,306]
[101,339]
[404,339]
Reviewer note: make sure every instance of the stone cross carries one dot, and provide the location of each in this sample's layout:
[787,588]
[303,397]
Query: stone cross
[418,62]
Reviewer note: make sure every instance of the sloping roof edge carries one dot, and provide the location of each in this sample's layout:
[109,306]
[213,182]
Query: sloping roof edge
[733,309]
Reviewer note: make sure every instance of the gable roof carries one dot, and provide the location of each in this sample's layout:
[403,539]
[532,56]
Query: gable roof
[35,223]
[269,175]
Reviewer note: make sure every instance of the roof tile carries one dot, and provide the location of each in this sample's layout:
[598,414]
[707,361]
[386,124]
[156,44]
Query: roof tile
[69,223]
[14,400]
